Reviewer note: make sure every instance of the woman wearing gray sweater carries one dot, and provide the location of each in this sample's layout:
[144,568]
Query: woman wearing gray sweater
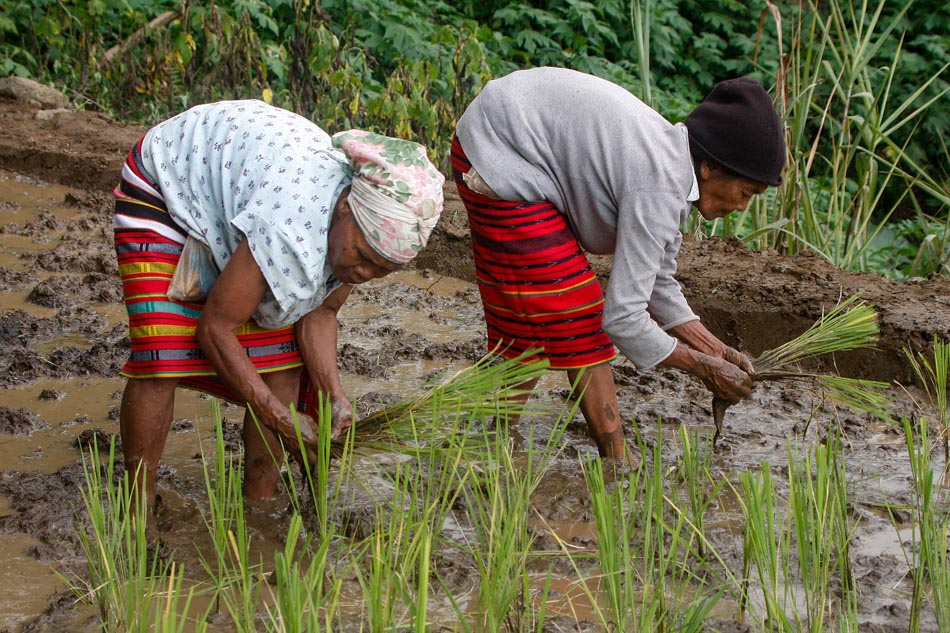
[551,162]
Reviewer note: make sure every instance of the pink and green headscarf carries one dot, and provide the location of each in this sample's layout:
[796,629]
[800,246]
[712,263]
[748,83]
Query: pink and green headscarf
[396,195]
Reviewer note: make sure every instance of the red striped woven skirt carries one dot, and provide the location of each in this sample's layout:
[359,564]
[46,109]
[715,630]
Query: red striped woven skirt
[148,244]
[537,287]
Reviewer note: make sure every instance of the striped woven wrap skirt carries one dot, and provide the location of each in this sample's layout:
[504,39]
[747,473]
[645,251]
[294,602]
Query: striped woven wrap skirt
[148,244]
[538,290]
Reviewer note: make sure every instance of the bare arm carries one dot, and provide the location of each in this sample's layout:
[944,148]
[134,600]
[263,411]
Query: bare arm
[317,338]
[232,301]
[695,334]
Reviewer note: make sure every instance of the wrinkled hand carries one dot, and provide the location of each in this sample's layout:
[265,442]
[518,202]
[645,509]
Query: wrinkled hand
[342,413]
[738,359]
[309,431]
[724,379]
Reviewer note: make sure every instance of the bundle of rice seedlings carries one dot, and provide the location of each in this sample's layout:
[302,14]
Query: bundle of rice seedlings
[850,325]
[489,388]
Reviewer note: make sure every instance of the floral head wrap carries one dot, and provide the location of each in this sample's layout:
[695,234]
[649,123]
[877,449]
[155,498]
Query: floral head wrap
[396,196]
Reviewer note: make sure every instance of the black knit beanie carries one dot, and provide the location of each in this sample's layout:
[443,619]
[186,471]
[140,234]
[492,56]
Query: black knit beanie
[736,126]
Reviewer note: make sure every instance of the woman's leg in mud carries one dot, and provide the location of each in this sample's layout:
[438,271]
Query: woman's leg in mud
[148,405]
[527,387]
[262,450]
[598,402]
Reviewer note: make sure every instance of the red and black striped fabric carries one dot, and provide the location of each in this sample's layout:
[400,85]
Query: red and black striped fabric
[538,289]
[148,244]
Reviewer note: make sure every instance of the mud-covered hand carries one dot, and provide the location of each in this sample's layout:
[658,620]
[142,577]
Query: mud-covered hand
[342,413]
[738,359]
[725,380]
[284,426]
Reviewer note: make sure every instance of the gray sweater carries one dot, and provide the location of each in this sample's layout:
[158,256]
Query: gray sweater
[620,172]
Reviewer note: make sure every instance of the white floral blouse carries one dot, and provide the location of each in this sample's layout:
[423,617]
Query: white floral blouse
[236,170]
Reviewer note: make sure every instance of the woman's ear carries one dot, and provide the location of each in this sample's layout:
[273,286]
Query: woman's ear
[342,207]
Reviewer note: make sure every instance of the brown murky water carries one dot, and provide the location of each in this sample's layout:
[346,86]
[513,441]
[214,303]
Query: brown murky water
[63,341]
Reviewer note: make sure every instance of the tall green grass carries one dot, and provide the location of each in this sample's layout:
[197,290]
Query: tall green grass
[847,176]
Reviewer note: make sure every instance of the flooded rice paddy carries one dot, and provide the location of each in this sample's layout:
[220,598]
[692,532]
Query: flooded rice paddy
[62,340]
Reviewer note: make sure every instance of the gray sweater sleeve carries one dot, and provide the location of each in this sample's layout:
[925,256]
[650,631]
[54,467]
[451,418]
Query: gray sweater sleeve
[643,299]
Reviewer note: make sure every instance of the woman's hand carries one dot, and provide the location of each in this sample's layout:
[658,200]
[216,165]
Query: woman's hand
[342,413]
[697,337]
[724,379]
[738,359]
[284,426]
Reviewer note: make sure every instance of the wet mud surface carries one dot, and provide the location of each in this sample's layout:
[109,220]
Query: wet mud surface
[63,339]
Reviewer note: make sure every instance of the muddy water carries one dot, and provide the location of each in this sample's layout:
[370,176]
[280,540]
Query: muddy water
[62,325]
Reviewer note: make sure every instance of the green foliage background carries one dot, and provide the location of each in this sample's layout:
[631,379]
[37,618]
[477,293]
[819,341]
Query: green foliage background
[409,67]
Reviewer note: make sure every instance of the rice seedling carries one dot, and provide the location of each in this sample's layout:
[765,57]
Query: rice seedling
[397,553]
[764,543]
[927,554]
[316,469]
[235,576]
[172,616]
[693,472]
[672,591]
[304,596]
[932,374]
[497,496]
[242,594]
[822,533]
[801,560]
[474,392]
[225,505]
[124,572]
[643,542]
[852,324]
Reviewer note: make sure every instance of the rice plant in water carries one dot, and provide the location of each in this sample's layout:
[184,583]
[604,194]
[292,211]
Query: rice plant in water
[124,573]
[850,325]
[497,498]
[303,597]
[225,505]
[932,374]
[801,560]
[822,530]
[763,545]
[927,554]
[393,565]
[305,592]
[693,472]
[171,616]
[643,543]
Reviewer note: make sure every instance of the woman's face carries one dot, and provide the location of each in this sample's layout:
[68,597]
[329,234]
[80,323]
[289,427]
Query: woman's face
[721,193]
[352,259]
